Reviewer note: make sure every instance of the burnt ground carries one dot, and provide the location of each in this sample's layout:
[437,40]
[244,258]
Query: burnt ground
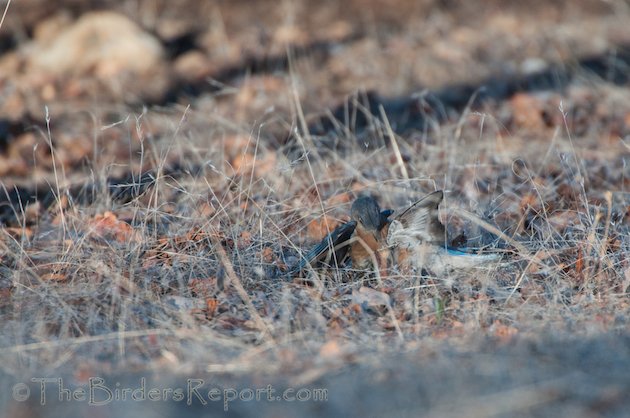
[164,164]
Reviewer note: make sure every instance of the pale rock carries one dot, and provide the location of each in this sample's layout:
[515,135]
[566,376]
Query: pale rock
[104,44]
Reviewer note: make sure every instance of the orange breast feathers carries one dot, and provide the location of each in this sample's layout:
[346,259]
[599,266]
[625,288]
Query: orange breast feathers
[364,248]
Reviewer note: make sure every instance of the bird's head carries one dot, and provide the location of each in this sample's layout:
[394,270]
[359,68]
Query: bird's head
[366,211]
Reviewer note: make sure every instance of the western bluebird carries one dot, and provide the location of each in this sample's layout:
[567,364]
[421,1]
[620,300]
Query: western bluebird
[417,239]
[369,235]
[362,236]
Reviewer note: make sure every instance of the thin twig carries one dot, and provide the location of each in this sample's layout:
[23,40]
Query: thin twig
[6,9]
[236,283]
[392,135]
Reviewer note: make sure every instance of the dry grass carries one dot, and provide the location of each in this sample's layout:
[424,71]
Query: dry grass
[196,278]
[179,267]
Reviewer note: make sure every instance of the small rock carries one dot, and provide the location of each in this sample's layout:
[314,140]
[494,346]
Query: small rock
[527,111]
[370,299]
[192,66]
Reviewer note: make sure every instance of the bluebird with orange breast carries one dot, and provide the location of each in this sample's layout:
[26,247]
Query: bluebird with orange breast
[370,233]
[360,238]
[418,240]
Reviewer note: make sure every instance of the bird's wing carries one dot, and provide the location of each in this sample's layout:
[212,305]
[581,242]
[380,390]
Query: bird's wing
[420,221]
[385,214]
[335,239]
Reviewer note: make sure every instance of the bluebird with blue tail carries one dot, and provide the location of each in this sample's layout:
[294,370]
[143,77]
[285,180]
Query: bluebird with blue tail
[417,240]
